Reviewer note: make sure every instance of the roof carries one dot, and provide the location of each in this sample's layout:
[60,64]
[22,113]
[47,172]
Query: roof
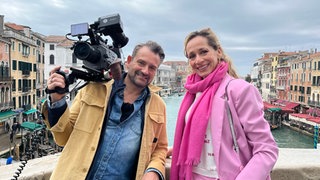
[292,105]
[31,126]
[177,63]
[272,108]
[59,40]
[307,117]
[15,26]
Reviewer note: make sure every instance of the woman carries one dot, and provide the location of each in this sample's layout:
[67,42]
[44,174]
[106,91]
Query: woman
[203,143]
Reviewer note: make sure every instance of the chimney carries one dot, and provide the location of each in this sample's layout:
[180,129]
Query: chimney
[1,24]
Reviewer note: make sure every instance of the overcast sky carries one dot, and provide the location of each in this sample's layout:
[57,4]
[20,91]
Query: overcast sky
[246,28]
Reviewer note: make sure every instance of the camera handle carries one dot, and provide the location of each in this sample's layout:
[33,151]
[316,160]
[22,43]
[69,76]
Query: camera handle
[60,90]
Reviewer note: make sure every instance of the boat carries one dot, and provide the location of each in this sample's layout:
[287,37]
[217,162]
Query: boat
[273,126]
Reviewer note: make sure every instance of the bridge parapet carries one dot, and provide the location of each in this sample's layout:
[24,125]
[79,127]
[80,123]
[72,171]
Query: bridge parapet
[293,164]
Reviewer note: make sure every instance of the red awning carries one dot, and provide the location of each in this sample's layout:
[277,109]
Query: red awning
[292,105]
[268,105]
[316,120]
[287,110]
[308,117]
[283,109]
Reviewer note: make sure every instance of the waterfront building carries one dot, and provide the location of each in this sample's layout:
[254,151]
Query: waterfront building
[283,75]
[164,78]
[273,82]
[181,72]
[58,53]
[6,103]
[40,79]
[261,75]
[23,69]
[255,74]
[300,80]
[314,100]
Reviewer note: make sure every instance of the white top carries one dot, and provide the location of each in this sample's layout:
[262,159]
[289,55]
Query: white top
[207,166]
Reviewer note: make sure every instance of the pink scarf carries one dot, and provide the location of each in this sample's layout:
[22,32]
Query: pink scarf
[189,138]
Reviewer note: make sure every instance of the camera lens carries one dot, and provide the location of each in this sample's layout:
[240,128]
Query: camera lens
[85,51]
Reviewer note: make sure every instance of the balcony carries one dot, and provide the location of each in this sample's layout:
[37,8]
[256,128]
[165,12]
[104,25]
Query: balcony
[25,73]
[313,103]
[6,105]
[11,34]
[26,89]
[281,87]
[6,79]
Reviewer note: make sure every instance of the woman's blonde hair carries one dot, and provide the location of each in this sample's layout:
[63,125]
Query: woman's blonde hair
[213,41]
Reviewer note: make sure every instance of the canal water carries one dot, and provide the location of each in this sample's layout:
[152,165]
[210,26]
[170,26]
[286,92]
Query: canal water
[284,136]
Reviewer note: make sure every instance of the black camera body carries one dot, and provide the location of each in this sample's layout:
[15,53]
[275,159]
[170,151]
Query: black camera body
[96,54]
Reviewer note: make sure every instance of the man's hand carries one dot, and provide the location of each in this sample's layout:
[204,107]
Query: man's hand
[56,80]
[151,176]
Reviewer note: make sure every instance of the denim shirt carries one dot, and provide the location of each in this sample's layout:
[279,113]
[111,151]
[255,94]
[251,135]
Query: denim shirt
[118,151]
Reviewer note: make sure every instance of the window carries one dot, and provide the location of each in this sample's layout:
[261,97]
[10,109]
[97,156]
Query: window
[51,59]
[6,48]
[25,50]
[12,46]
[308,90]
[309,77]
[14,64]
[19,85]
[14,85]
[51,46]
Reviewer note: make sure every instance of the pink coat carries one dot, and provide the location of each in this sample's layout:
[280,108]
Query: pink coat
[258,149]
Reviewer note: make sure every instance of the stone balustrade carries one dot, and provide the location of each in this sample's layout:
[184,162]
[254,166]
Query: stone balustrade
[292,164]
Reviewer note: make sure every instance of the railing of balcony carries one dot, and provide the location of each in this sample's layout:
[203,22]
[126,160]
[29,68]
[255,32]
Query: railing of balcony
[26,89]
[6,105]
[313,103]
[26,73]
[9,78]
[281,87]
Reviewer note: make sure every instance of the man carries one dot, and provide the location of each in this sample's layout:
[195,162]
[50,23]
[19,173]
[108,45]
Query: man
[113,130]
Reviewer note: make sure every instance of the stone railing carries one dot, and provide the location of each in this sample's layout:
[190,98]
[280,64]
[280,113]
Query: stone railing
[292,164]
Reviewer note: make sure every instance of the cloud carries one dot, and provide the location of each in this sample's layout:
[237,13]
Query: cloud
[246,28]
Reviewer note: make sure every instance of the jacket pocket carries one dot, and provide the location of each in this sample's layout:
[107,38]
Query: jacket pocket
[91,112]
[157,118]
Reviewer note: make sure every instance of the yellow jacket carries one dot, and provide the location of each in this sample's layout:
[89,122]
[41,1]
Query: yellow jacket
[79,129]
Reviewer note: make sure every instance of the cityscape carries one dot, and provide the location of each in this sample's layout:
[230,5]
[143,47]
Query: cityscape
[288,83]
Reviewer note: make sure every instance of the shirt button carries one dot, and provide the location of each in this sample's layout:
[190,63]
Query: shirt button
[84,170]
[93,148]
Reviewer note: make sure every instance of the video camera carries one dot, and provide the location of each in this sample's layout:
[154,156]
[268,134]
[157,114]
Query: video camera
[96,54]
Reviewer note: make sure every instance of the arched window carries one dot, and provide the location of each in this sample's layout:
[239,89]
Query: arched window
[51,59]
[2,95]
